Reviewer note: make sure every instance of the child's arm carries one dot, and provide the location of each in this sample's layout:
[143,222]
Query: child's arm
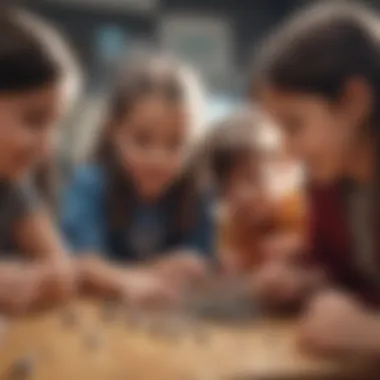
[135,285]
[336,324]
[29,286]
[280,284]
[30,225]
[98,276]
[37,237]
[34,235]
[84,226]
[181,269]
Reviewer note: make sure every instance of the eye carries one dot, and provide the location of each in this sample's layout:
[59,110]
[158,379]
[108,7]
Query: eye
[36,119]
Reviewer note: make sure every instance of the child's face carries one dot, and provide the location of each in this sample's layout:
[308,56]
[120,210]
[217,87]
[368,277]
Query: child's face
[246,193]
[27,124]
[317,131]
[152,144]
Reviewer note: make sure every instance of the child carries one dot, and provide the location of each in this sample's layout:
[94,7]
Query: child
[35,75]
[34,68]
[319,77]
[137,202]
[257,223]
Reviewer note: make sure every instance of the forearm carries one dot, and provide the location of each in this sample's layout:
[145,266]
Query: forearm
[183,268]
[98,276]
[56,282]
[280,285]
[231,263]
[370,345]
[29,286]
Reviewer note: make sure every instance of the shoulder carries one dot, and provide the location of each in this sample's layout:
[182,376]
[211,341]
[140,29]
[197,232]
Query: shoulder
[87,187]
[85,195]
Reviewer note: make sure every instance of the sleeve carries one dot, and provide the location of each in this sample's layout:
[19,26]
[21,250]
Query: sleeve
[82,216]
[201,237]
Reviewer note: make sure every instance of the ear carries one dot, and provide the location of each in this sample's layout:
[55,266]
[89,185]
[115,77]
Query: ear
[357,100]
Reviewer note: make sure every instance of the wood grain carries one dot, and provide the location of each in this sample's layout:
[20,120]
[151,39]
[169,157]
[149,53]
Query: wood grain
[94,348]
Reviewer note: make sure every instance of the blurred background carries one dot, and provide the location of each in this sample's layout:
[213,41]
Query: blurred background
[215,36]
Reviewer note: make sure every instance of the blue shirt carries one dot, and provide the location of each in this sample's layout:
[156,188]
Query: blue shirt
[84,223]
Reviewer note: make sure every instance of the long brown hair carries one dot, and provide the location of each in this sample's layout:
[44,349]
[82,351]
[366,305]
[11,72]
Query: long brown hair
[137,78]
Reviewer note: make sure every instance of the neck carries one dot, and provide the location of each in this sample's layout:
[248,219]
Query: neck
[362,165]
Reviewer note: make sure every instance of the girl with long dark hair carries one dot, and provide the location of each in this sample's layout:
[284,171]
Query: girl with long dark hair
[319,77]
[138,201]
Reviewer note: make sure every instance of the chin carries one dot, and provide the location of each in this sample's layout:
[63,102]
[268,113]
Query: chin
[150,193]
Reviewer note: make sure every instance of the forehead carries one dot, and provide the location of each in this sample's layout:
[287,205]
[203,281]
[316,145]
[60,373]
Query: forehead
[154,111]
[40,96]
[48,99]
[277,101]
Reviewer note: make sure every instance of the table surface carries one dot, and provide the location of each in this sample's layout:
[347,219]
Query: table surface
[85,341]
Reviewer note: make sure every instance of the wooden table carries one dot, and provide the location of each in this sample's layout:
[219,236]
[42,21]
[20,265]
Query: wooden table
[91,346]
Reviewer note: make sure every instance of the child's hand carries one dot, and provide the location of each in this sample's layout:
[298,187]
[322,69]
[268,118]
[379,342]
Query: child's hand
[58,281]
[182,269]
[146,290]
[19,288]
[335,324]
[279,285]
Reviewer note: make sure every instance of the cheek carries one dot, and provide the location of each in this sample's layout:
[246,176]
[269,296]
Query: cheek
[14,140]
[323,149]
[319,138]
[127,153]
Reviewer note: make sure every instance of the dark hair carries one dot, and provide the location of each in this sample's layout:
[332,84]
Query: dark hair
[229,144]
[137,78]
[32,55]
[26,62]
[320,49]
